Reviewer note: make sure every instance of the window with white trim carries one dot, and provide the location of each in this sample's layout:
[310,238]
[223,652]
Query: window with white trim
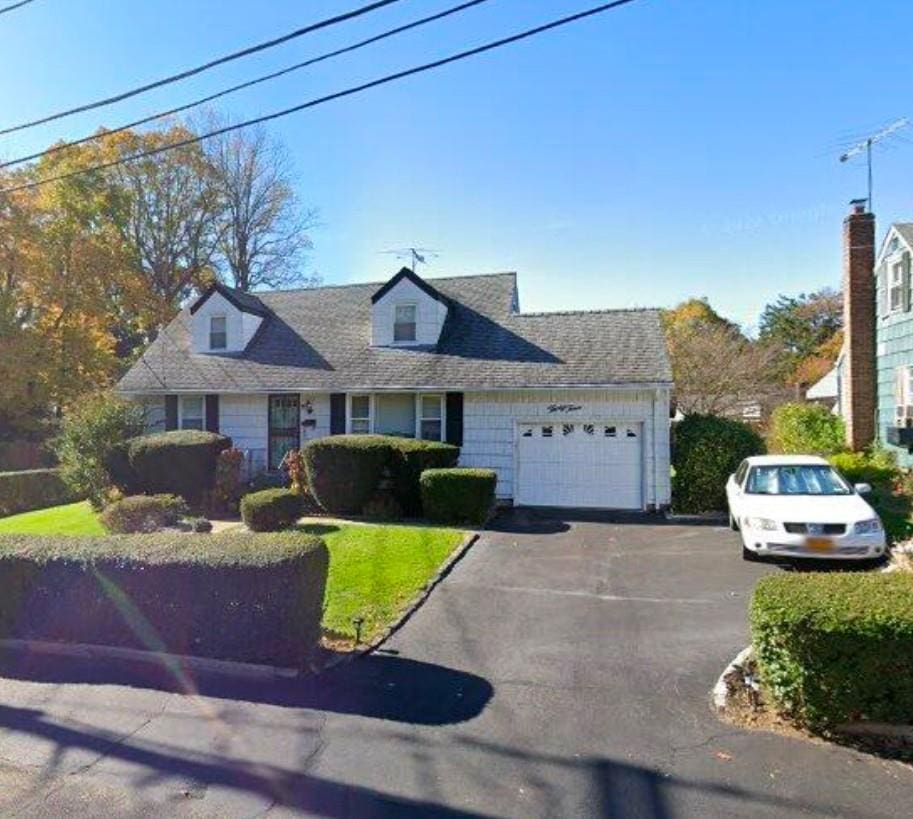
[360,414]
[218,332]
[404,322]
[191,412]
[431,417]
[903,397]
[896,287]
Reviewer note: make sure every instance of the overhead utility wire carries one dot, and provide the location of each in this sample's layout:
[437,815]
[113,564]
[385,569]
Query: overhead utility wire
[462,55]
[190,72]
[196,103]
[14,6]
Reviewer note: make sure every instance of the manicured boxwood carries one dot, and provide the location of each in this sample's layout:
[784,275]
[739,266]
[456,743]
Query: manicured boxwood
[458,495]
[408,459]
[706,450]
[32,489]
[239,596]
[271,509]
[833,648]
[143,513]
[343,471]
[181,462]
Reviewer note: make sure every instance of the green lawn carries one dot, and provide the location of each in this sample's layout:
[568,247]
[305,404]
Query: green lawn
[376,570]
[71,519]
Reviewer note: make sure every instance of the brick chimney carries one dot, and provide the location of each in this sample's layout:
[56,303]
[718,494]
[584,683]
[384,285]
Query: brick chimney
[857,397]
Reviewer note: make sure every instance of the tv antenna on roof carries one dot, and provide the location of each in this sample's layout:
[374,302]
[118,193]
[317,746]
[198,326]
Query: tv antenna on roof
[866,147]
[415,255]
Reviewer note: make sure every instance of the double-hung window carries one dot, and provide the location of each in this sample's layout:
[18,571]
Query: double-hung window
[360,414]
[431,417]
[903,396]
[191,412]
[404,323]
[218,333]
[896,287]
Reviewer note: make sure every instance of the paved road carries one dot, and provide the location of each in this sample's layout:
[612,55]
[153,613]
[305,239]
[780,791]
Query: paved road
[562,669]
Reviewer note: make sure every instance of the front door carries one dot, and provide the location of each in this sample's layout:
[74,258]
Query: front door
[284,427]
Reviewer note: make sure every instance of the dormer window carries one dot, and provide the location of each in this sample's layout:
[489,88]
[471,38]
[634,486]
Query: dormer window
[218,333]
[404,323]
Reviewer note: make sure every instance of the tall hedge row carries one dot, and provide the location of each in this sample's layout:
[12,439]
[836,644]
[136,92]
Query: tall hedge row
[344,471]
[243,597]
[32,489]
[706,450]
[833,648]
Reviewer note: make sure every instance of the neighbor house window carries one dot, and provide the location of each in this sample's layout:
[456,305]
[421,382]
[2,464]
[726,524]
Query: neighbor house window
[404,322]
[903,396]
[360,414]
[191,412]
[896,287]
[431,416]
[218,333]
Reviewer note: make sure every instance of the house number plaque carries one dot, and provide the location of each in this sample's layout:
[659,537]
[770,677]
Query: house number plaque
[564,408]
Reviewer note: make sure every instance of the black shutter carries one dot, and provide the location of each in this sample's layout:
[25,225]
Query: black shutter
[455,418]
[171,412]
[212,413]
[337,413]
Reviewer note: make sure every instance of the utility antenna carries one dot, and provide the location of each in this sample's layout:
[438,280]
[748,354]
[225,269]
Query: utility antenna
[866,146]
[415,255]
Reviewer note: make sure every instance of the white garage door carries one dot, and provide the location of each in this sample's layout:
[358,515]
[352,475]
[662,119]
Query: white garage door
[598,465]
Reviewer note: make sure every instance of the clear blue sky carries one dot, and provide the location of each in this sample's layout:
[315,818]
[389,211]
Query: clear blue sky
[672,148]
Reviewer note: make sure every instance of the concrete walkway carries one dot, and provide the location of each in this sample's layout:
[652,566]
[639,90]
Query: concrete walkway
[562,669]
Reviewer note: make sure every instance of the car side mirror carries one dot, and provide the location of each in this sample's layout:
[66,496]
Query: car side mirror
[863,488]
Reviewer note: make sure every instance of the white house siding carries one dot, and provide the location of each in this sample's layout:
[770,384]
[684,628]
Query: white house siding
[239,327]
[490,420]
[154,407]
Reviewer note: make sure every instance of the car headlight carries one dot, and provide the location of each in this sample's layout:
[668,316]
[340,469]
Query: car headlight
[761,523]
[867,527]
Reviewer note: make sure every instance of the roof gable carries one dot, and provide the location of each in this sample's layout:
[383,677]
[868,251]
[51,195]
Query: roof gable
[418,281]
[245,302]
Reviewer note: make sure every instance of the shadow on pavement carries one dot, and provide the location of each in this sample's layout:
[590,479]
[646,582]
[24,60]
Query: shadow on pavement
[380,686]
[546,520]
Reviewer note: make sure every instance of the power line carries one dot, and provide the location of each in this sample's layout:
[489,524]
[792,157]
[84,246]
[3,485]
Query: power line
[202,101]
[462,55]
[14,6]
[190,72]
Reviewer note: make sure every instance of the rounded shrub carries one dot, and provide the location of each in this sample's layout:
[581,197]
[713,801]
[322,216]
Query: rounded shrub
[458,495]
[409,458]
[181,462]
[344,471]
[32,489]
[877,468]
[143,513]
[271,509]
[706,450]
[806,429]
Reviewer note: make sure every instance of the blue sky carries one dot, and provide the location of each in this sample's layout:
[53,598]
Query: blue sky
[669,149]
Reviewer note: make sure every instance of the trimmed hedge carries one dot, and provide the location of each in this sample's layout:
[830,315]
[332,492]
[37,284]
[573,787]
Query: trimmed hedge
[878,469]
[271,509]
[836,647]
[180,462]
[458,495]
[343,471]
[806,429]
[706,450]
[143,513]
[240,596]
[32,489]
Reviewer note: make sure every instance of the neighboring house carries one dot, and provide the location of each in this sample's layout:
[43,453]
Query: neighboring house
[826,391]
[569,408]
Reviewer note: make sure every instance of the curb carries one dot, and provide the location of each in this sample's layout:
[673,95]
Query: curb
[720,692]
[204,665]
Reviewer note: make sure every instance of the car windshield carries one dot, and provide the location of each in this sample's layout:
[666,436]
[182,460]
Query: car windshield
[796,479]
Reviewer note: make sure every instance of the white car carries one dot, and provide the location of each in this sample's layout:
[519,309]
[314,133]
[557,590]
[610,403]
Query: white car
[790,506]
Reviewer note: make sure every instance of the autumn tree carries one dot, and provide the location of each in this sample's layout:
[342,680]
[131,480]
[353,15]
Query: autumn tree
[263,227]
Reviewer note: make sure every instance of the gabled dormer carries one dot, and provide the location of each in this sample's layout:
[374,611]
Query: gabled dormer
[407,312]
[892,270]
[224,320]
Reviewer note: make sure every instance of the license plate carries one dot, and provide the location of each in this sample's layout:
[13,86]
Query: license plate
[819,544]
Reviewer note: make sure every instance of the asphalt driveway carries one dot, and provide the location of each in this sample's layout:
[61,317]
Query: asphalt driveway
[562,669]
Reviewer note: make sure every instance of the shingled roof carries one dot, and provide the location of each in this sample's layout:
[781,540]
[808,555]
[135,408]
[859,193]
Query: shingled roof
[320,339]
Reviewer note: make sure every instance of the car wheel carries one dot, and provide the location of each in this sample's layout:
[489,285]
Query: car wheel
[749,555]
